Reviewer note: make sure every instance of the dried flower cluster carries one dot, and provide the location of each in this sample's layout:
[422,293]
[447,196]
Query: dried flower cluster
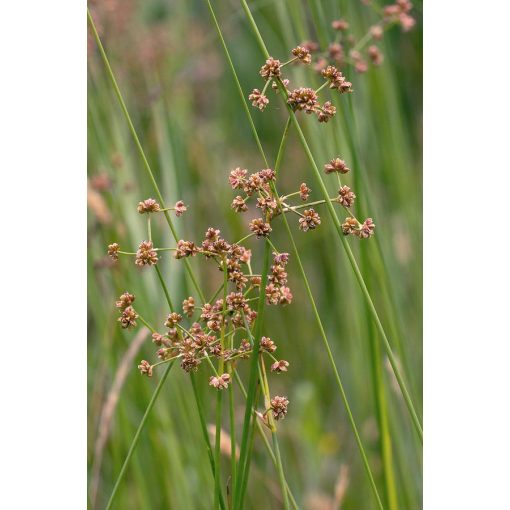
[216,330]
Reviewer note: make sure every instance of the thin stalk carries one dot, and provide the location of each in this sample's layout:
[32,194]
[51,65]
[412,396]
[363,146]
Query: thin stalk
[140,148]
[310,295]
[279,464]
[219,398]
[265,441]
[165,289]
[252,381]
[141,426]
[203,427]
[350,255]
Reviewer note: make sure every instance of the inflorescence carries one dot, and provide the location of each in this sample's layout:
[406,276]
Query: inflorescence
[219,330]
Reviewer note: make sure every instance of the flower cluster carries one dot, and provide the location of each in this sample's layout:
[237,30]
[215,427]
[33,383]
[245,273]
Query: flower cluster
[277,292]
[302,98]
[128,314]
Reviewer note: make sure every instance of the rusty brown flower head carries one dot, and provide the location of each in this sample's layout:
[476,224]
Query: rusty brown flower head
[266,344]
[346,196]
[188,306]
[325,112]
[279,407]
[185,249]
[367,229]
[280,366]
[221,382]
[350,226]
[239,204]
[237,178]
[336,79]
[258,99]
[303,98]
[304,191]
[128,318]
[148,206]
[259,227]
[113,251]
[145,368]
[271,69]
[173,319]
[180,208]
[303,54]
[310,220]
[285,296]
[336,165]
[125,300]
[146,255]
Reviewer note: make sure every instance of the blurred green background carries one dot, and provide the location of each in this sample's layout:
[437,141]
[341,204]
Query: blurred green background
[186,109]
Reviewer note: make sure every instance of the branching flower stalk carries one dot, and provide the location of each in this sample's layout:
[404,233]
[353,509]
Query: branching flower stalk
[348,227]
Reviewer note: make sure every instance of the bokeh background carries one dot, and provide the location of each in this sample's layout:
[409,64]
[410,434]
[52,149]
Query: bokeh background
[186,109]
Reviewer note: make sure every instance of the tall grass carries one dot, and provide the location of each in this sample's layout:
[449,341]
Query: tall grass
[193,135]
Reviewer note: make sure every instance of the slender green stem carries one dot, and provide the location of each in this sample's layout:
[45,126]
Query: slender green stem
[219,399]
[165,289]
[265,441]
[233,460]
[238,84]
[146,324]
[350,255]
[203,427]
[140,148]
[252,381]
[279,464]
[138,433]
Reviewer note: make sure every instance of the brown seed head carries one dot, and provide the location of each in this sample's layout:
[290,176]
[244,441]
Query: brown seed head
[350,226]
[128,318]
[271,69]
[188,306]
[221,382]
[180,208]
[303,98]
[113,251]
[148,206]
[325,112]
[258,99]
[173,319]
[239,204]
[125,300]
[367,229]
[145,368]
[185,249]
[346,196]
[259,227]
[280,366]
[303,54]
[310,220]
[304,191]
[146,255]
[279,407]
[336,165]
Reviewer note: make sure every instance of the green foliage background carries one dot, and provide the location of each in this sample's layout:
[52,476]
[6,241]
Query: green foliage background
[189,117]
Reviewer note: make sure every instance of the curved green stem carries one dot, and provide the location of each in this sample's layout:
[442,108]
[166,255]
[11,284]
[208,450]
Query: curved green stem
[139,430]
